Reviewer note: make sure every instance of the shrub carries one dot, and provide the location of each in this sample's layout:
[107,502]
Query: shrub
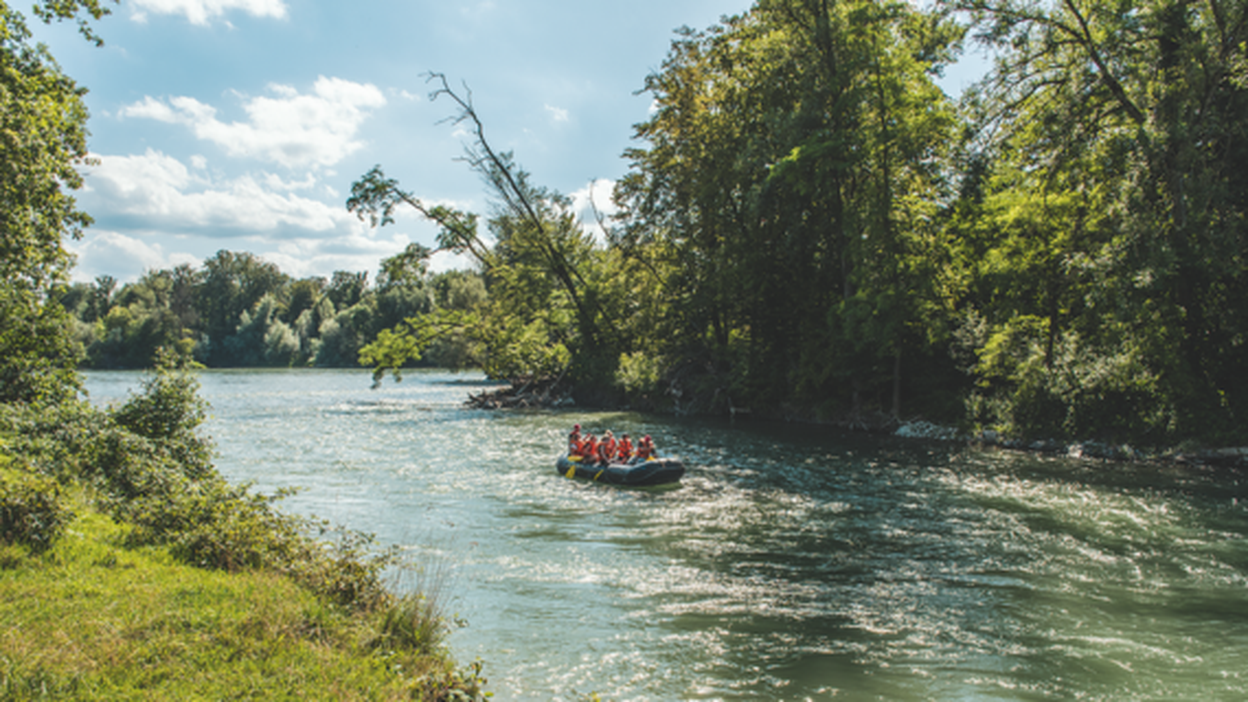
[1071,389]
[31,509]
[168,412]
[638,373]
[149,467]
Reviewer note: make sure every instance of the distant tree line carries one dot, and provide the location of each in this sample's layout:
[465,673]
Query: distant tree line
[237,310]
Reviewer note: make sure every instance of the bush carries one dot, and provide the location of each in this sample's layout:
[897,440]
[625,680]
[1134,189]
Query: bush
[149,467]
[31,509]
[1071,390]
[168,412]
[212,524]
[638,373]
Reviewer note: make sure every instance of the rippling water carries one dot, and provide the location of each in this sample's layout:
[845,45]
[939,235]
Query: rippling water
[791,563]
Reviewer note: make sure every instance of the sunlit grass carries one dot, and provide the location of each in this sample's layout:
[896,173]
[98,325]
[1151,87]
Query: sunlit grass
[89,618]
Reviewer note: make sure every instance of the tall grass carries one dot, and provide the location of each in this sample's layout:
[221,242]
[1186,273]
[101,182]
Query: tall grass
[418,619]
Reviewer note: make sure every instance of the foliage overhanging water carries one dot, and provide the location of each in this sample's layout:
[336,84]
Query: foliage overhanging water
[791,562]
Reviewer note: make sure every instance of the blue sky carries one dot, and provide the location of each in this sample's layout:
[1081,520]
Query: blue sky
[241,124]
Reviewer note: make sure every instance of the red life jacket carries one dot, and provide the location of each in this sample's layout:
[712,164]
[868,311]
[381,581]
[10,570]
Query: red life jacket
[590,449]
[624,451]
[606,450]
[643,451]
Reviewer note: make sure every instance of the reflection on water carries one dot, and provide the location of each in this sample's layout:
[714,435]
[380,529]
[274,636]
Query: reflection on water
[790,563]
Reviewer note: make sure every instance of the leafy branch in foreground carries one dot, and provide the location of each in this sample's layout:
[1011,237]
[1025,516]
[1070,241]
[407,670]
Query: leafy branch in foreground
[393,348]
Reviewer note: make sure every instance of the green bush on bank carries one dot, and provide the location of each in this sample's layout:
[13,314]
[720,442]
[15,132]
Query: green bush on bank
[145,467]
[31,509]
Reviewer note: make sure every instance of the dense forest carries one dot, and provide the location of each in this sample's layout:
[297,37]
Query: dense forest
[238,310]
[810,228]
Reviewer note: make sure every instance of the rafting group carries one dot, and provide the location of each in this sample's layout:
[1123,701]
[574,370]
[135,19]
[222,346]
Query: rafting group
[592,449]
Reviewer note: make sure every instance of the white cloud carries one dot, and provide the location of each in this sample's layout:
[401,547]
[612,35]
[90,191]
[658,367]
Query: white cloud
[201,11]
[358,251]
[146,202]
[447,261]
[123,257]
[595,195]
[275,182]
[557,114]
[286,128]
[162,193]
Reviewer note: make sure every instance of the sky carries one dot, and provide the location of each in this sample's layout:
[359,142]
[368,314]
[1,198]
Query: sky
[241,124]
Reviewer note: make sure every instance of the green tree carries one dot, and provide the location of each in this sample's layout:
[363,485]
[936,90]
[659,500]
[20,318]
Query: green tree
[233,283]
[544,313]
[783,203]
[42,140]
[262,338]
[346,289]
[343,335]
[304,294]
[1134,109]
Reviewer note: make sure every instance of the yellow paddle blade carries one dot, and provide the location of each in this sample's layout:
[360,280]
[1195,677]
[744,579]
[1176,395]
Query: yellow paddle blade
[571,471]
[575,459]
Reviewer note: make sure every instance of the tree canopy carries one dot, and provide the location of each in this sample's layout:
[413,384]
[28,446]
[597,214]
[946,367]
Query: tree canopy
[811,228]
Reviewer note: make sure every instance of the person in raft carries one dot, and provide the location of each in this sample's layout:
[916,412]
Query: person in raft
[589,449]
[606,448]
[574,440]
[624,450]
[645,449]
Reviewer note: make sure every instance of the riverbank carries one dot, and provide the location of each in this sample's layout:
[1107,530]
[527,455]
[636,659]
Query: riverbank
[129,567]
[91,618]
[1221,457]
[553,395]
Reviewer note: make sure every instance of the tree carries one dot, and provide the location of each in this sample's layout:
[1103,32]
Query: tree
[544,311]
[784,198]
[1134,108]
[42,140]
[346,289]
[303,296]
[233,283]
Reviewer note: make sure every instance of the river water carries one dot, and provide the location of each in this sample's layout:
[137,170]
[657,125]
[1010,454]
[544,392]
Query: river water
[791,562]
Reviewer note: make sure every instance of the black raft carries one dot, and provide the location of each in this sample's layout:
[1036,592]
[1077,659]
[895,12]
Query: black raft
[655,471]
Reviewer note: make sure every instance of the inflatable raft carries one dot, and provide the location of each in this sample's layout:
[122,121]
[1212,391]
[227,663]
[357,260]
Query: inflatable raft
[655,471]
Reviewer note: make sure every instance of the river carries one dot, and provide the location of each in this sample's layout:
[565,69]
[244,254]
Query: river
[791,562]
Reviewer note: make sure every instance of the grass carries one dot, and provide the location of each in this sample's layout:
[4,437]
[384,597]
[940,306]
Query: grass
[92,619]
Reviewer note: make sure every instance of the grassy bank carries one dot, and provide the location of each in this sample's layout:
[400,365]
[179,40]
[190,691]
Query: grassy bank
[129,569]
[92,618]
